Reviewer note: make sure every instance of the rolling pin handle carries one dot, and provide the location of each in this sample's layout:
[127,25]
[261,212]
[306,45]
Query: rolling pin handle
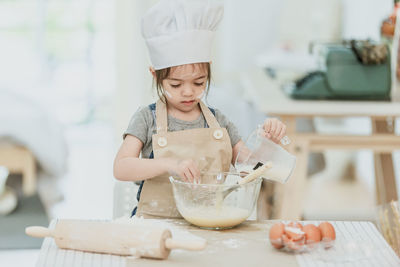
[185,244]
[38,231]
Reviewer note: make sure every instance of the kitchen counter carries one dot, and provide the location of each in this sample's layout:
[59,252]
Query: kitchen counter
[245,245]
[383,140]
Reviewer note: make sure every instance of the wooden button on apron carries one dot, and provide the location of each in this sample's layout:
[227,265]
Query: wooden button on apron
[218,134]
[162,141]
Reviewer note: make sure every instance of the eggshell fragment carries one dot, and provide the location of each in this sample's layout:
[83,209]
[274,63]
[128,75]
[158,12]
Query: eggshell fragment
[294,233]
[275,235]
[312,232]
[293,244]
[295,225]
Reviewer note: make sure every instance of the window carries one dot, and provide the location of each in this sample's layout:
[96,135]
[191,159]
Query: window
[60,53]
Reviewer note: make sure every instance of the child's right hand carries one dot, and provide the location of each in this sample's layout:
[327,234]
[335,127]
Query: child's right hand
[186,169]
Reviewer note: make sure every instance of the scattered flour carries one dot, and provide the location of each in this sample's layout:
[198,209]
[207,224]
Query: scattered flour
[233,243]
[176,233]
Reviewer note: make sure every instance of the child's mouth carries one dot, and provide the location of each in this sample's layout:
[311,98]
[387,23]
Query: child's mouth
[188,103]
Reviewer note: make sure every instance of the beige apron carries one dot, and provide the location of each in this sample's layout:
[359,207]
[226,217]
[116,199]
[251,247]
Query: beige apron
[211,145]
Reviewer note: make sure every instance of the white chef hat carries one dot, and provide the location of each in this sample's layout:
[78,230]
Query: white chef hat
[180,32]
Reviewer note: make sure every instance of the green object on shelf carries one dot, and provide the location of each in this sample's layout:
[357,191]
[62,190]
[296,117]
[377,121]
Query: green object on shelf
[345,78]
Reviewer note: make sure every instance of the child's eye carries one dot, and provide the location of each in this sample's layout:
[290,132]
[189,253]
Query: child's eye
[175,85]
[199,84]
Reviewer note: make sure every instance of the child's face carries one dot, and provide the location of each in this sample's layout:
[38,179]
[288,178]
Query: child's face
[185,86]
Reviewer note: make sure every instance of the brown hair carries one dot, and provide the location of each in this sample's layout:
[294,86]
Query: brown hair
[163,74]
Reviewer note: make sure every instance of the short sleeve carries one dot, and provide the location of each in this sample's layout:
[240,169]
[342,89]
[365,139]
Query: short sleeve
[139,124]
[230,127]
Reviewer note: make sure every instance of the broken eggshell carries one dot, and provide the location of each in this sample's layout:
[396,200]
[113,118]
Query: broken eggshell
[293,245]
[294,231]
[294,237]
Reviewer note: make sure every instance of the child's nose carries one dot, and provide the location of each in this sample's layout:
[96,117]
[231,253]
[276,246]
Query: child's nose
[187,90]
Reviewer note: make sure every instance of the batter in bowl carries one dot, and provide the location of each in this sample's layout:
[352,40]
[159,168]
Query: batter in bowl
[206,217]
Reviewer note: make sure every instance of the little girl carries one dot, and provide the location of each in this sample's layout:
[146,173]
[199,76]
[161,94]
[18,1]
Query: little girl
[179,134]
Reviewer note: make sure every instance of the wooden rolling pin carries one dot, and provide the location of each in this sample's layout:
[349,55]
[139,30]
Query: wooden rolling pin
[126,239]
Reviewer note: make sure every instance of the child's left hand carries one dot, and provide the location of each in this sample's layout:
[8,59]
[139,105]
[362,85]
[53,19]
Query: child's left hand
[274,129]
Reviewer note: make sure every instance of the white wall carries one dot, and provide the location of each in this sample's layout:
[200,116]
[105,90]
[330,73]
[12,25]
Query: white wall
[362,18]
[248,27]
[254,26]
[133,77]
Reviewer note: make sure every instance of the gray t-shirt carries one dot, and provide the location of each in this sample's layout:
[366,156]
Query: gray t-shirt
[143,126]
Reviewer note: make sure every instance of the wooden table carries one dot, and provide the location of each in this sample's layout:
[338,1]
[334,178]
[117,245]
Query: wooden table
[245,245]
[383,140]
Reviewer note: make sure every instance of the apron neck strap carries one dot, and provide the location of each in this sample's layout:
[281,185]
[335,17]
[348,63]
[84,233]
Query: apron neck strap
[162,117]
[210,118]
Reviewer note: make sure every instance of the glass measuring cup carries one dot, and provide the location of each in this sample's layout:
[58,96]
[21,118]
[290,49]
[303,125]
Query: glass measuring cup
[259,150]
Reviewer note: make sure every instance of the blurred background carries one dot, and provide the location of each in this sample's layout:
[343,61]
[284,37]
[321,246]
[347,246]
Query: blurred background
[74,72]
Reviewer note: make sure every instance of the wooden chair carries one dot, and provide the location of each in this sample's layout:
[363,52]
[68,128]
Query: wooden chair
[20,160]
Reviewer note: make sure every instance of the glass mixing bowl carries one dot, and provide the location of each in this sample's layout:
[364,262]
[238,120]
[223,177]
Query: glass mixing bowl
[206,205]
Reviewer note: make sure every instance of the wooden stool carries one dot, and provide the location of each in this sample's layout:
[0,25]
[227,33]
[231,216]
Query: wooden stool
[20,160]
